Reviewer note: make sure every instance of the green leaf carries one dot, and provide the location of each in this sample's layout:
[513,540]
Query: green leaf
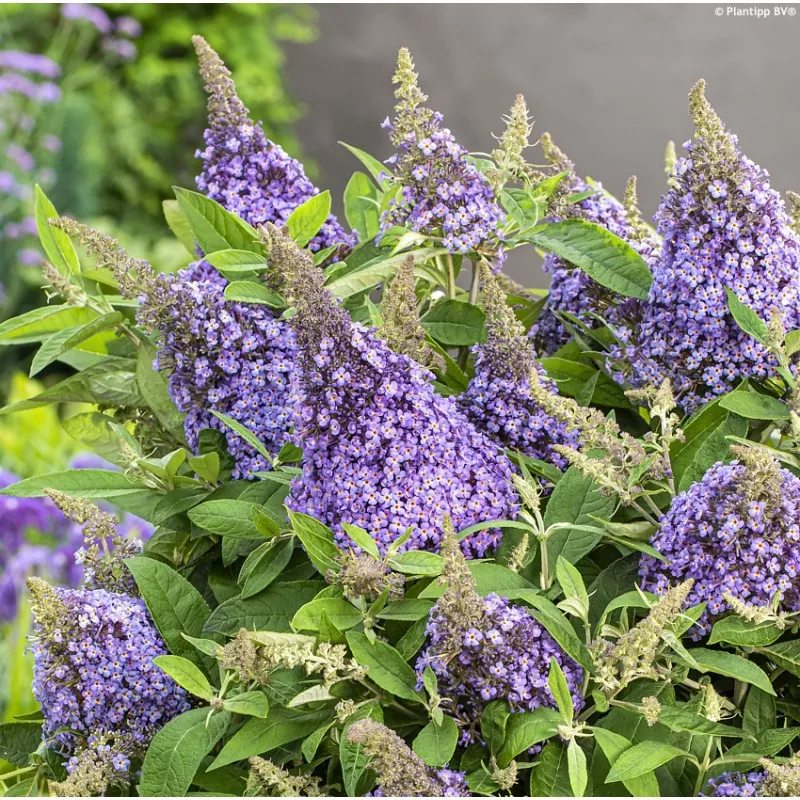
[760,712]
[186,674]
[92,484]
[732,666]
[317,539]
[575,499]
[263,566]
[576,767]
[227,518]
[342,614]
[753,405]
[256,736]
[232,261]
[215,228]
[306,220]
[571,583]
[435,744]
[247,435]
[253,292]
[526,729]
[560,690]
[361,206]
[558,627]
[455,324]
[61,341]
[410,609]
[785,655]
[746,318]
[378,270]
[177,750]
[57,245]
[494,720]
[39,323]
[385,666]
[613,745]
[362,539]
[741,632]
[550,774]
[489,577]
[716,447]
[154,387]
[416,562]
[603,256]
[18,740]
[179,226]
[375,167]
[643,758]
[174,604]
[249,704]
[768,743]
[687,720]
[271,609]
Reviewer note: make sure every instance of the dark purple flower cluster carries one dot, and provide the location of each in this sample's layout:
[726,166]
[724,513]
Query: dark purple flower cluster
[444,195]
[724,227]
[504,656]
[243,170]
[94,671]
[382,450]
[35,539]
[735,784]
[571,289]
[498,399]
[736,533]
[235,358]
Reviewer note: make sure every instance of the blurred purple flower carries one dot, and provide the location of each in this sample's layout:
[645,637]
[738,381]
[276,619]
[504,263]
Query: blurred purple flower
[35,63]
[128,26]
[51,143]
[88,12]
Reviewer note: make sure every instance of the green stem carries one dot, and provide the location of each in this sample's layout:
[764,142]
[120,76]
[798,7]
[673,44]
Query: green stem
[703,768]
[451,278]
[473,289]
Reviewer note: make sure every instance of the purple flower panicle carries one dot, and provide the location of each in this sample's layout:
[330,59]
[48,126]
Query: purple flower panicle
[504,655]
[498,399]
[235,358]
[724,227]
[382,450]
[243,170]
[444,195]
[736,532]
[94,672]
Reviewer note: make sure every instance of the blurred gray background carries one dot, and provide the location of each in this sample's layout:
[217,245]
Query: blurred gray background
[608,81]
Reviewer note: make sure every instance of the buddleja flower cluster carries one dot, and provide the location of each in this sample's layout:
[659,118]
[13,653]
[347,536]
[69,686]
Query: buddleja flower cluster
[484,649]
[736,784]
[399,770]
[94,674]
[444,195]
[381,449]
[243,170]
[724,227]
[571,289]
[498,399]
[234,358]
[736,533]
